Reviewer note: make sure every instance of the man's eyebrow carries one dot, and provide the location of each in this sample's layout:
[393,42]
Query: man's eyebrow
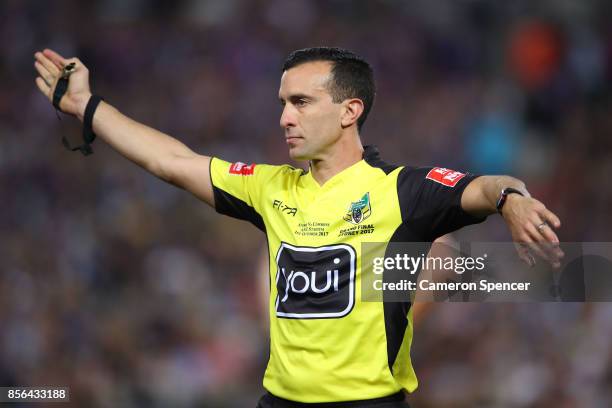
[295,97]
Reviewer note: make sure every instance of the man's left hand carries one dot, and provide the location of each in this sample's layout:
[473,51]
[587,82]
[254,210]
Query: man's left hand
[532,227]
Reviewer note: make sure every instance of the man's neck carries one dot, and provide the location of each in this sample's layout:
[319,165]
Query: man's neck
[344,154]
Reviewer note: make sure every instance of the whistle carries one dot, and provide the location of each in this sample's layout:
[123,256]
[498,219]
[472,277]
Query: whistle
[68,69]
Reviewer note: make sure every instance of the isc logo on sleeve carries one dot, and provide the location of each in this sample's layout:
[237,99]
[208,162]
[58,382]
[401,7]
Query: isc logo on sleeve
[241,168]
[444,176]
[315,282]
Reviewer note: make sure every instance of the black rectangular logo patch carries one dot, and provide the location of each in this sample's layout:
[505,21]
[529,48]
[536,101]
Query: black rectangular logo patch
[315,282]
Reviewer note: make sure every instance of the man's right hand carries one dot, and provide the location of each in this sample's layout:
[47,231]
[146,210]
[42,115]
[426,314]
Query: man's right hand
[156,152]
[49,65]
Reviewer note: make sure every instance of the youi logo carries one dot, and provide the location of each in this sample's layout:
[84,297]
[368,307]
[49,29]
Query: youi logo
[315,282]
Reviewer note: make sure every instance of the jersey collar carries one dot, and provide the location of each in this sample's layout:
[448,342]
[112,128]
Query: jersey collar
[370,154]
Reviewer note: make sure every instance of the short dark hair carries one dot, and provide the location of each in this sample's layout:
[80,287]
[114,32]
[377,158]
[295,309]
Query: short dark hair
[352,76]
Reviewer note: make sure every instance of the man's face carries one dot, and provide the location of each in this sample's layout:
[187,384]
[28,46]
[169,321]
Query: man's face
[310,119]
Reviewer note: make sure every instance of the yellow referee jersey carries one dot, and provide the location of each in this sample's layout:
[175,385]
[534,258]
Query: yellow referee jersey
[327,345]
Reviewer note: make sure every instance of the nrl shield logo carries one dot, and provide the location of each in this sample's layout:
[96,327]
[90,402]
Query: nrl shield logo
[359,210]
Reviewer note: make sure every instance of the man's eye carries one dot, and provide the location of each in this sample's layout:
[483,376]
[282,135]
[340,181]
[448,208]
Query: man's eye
[300,102]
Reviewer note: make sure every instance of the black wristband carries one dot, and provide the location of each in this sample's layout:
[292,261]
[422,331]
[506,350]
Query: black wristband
[60,90]
[88,134]
[62,85]
[504,195]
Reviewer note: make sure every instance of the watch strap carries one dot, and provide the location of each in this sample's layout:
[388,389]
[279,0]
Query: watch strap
[504,195]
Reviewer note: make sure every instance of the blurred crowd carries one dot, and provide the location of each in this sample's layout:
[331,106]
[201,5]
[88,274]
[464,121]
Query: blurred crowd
[133,293]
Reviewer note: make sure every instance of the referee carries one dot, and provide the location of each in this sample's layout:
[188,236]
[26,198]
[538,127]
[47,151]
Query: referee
[327,347]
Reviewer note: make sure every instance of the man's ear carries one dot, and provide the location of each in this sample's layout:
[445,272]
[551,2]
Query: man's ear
[352,109]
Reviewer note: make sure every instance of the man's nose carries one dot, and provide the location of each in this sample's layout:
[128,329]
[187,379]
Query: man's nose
[287,118]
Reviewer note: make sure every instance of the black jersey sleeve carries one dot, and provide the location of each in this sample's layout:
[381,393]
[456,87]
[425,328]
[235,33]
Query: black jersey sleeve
[430,201]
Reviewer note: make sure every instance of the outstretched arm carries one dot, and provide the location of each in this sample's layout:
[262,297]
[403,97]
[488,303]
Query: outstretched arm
[530,222]
[158,153]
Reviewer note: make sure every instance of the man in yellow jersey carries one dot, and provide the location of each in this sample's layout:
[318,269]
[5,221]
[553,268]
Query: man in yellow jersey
[327,346]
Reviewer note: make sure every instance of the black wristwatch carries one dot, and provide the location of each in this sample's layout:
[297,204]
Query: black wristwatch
[504,195]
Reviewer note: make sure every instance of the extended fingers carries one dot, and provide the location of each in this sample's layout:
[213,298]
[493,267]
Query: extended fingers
[545,214]
[547,233]
[47,64]
[46,76]
[530,240]
[550,217]
[543,244]
[43,87]
[55,58]
[524,254]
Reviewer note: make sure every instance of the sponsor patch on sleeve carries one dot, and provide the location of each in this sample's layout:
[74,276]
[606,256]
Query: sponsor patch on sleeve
[242,168]
[444,176]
